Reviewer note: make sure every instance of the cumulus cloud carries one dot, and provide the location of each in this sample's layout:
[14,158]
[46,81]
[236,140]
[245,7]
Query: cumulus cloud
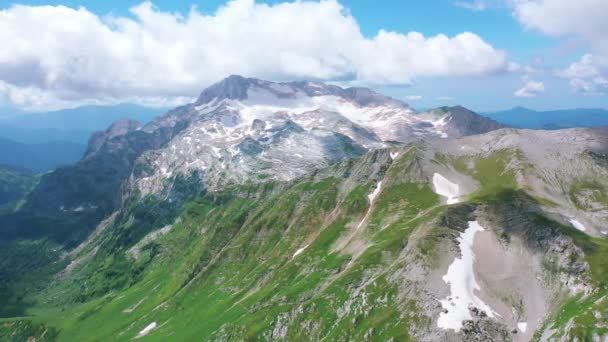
[56,55]
[583,19]
[589,75]
[530,89]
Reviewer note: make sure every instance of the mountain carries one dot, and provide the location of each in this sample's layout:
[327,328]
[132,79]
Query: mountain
[71,125]
[380,246]
[238,130]
[521,117]
[44,141]
[305,211]
[39,157]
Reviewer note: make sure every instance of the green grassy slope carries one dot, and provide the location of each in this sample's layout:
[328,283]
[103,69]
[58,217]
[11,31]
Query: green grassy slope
[14,186]
[227,269]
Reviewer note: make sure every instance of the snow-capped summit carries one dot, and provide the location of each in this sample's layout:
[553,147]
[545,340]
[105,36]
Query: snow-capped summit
[310,104]
[245,129]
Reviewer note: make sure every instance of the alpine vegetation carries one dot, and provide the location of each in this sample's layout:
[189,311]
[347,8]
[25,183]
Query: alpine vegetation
[307,211]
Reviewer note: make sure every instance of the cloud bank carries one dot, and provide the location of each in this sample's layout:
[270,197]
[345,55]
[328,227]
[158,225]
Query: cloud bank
[56,56]
[581,19]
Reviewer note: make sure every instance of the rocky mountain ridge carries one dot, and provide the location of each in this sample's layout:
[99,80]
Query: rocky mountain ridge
[239,130]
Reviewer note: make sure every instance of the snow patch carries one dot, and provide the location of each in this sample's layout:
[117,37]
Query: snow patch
[446,188]
[576,224]
[439,126]
[522,326]
[394,155]
[145,331]
[216,151]
[299,251]
[371,197]
[375,193]
[461,279]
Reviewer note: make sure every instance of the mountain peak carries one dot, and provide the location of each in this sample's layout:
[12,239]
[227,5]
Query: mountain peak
[368,97]
[522,109]
[232,87]
[116,129]
[236,87]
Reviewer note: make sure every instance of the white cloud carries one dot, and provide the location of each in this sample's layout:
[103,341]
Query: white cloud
[584,20]
[57,56]
[445,98]
[589,75]
[591,86]
[530,89]
[588,66]
[413,97]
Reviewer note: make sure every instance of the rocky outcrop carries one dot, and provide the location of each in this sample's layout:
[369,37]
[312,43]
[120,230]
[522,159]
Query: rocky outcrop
[118,128]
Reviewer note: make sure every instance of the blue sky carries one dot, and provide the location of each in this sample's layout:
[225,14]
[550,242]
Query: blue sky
[525,59]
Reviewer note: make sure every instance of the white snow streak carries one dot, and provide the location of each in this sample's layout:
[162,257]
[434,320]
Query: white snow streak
[299,251]
[375,193]
[576,224]
[446,188]
[461,279]
[371,197]
[145,331]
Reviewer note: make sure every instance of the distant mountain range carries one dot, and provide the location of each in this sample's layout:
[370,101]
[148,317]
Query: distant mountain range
[44,141]
[74,125]
[39,157]
[520,117]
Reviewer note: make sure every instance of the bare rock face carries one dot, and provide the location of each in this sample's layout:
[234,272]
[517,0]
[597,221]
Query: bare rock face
[118,128]
[233,87]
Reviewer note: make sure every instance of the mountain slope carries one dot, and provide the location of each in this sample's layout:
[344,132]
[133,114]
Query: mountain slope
[555,119]
[239,130]
[363,249]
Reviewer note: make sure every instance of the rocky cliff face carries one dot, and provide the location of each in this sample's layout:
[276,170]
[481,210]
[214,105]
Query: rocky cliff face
[118,128]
